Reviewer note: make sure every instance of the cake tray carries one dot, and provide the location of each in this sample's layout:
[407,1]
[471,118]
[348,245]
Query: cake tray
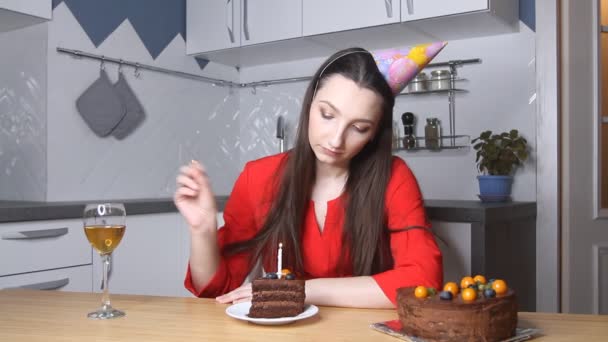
[393,328]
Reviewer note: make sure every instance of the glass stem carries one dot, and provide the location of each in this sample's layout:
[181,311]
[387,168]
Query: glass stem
[105,299]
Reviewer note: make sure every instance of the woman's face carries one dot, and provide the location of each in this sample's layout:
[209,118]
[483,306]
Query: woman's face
[343,118]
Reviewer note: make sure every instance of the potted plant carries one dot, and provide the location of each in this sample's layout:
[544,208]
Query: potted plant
[498,155]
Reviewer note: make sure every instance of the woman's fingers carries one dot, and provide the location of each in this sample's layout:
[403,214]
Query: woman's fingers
[196,171]
[241,294]
[188,182]
[185,192]
[199,173]
[235,296]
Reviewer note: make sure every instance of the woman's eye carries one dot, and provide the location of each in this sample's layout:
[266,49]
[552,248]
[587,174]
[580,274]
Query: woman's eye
[325,115]
[361,129]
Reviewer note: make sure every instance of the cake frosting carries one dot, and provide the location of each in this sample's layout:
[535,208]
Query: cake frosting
[431,318]
[273,298]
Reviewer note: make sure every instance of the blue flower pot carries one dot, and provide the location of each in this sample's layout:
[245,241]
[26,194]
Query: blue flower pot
[495,187]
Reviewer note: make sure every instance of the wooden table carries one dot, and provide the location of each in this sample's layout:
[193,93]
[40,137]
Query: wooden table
[27,315]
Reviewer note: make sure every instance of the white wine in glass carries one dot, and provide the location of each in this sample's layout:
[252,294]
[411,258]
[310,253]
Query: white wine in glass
[104,226]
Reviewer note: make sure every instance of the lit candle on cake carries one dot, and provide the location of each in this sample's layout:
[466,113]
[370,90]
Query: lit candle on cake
[280,260]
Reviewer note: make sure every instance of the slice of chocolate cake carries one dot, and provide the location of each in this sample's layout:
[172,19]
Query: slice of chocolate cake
[274,298]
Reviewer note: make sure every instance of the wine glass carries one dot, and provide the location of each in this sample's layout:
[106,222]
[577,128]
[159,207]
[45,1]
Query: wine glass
[104,226]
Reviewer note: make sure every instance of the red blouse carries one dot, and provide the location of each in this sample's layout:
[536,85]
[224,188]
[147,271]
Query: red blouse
[417,259]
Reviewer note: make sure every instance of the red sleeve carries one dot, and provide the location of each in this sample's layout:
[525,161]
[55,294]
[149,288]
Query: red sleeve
[417,258]
[239,225]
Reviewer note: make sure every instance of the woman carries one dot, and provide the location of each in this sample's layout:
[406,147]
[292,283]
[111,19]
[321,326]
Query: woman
[342,206]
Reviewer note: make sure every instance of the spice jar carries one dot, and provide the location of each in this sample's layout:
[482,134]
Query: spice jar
[432,134]
[418,83]
[409,139]
[440,80]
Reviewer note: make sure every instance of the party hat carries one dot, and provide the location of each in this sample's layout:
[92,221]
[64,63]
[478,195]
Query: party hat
[401,65]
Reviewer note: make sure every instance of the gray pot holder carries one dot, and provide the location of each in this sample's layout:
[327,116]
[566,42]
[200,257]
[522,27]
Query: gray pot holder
[100,106]
[135,114]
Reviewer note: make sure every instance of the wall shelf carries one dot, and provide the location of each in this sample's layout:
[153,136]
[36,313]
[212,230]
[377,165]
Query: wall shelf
[440,91]
[451,141]
[459,142]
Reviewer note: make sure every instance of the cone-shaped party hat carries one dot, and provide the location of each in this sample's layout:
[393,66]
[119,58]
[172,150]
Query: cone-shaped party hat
[401,65]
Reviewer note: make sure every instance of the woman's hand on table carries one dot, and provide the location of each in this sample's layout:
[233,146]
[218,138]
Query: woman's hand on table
[239,295]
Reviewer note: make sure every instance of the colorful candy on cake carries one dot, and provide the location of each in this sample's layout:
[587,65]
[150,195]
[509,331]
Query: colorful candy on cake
[477,310]
[277,294]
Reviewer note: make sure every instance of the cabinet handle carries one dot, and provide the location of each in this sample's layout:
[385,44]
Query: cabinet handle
[605,119]
[389,8]
[230,20]
[45,285]
[410,6]
[604,28]
[245,20]
[34,234]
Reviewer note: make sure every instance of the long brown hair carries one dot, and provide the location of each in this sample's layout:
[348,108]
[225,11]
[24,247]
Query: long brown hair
[365,237]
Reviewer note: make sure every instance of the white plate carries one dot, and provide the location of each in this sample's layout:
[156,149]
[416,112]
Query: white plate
[240,311]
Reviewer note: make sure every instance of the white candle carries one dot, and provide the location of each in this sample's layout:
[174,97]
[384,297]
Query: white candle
[280,260]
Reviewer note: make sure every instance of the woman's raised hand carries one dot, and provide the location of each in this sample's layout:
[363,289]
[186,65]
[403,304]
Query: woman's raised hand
[194,198]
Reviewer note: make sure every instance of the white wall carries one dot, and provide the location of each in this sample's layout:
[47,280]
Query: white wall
[186,119]
[23,114]
[500,97]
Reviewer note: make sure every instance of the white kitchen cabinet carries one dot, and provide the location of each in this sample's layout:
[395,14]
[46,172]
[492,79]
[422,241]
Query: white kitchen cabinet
[15,14]
[212,25]
[41,245]
[223,24]
[45,255]
[148,260]
[454,20]
[274,31]
[422,9]
[270,20]
[77,279]
[321,16]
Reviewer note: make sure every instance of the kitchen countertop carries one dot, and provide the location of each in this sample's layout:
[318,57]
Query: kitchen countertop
[439,210]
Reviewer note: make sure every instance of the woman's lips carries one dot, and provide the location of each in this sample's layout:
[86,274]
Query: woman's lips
[331,153]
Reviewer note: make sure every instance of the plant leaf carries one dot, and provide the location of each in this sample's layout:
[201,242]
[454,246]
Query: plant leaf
[500,154]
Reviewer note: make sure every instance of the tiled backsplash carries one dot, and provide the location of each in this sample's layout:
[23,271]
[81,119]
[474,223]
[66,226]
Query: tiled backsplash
[23,114]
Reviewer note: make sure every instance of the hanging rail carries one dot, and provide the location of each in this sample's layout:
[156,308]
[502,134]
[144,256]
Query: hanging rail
[136,65]
[452,64]
[224,83]
[455,62]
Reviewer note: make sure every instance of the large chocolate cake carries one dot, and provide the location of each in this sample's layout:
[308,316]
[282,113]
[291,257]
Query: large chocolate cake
[433,319]
[273,298]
